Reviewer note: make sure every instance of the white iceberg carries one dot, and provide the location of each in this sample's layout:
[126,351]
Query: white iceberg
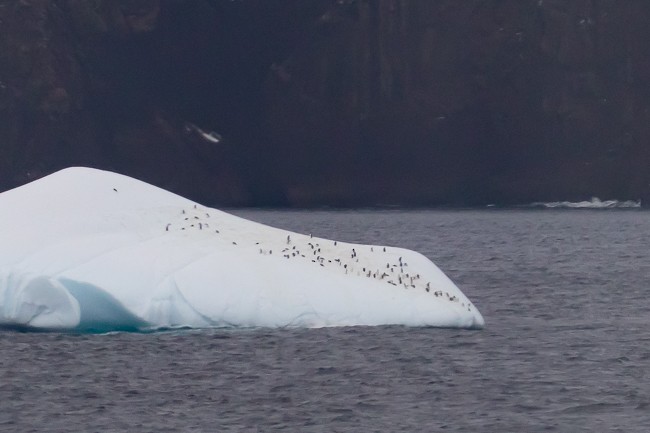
[85,249]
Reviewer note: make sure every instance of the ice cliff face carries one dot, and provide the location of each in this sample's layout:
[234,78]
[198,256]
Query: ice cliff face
[321,102]
[84,249]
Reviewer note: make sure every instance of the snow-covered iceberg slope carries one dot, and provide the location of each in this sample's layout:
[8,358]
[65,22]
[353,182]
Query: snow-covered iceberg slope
[84,249]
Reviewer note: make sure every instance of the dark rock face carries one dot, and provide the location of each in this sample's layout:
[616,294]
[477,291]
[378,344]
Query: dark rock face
[345,102]
[471,102]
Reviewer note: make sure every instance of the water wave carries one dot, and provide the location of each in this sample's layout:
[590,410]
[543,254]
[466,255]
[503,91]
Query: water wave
[594,203]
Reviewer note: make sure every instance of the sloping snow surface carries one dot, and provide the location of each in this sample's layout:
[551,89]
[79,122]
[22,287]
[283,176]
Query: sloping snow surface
[84,249]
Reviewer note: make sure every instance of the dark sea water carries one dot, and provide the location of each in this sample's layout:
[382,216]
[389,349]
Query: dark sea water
[566,347]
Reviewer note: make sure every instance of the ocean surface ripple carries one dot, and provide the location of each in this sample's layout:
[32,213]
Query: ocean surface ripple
[565,348]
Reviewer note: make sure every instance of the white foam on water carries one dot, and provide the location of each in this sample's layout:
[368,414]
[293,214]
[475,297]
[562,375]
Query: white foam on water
[594,203]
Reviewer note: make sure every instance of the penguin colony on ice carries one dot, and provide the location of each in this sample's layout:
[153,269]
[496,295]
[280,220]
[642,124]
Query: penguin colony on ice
[321,252]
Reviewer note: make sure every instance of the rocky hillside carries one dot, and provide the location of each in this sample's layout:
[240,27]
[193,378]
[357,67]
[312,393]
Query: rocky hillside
[348,102]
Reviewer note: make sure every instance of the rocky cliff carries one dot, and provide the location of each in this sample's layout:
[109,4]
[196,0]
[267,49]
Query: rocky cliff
[348,102]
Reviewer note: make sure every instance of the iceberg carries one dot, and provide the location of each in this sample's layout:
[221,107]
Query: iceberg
[90,250]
